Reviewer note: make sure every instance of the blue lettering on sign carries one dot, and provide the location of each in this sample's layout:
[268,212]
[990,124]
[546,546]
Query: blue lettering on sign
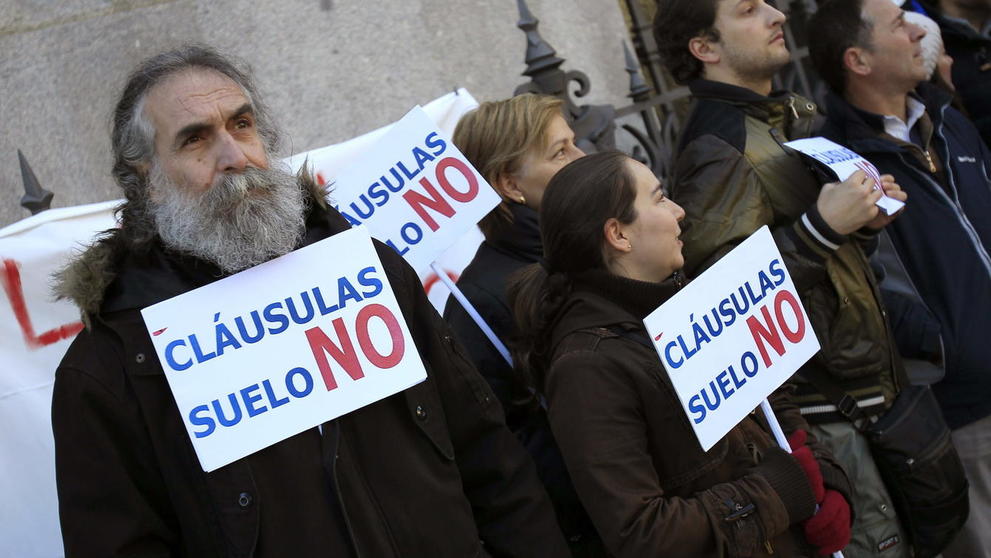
[272,319]
[394,180]
[727,383]
[723,315]
[834,156]
[232,409]
[170,357]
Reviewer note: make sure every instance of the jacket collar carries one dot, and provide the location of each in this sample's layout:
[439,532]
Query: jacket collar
[862,130]
[521,239]
[600,299]
[780,109]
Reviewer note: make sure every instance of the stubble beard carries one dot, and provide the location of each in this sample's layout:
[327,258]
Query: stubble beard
[243,220]
[758,67]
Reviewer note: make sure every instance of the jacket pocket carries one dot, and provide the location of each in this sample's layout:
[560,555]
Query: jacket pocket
[424,407]
[847,320]
[235,500]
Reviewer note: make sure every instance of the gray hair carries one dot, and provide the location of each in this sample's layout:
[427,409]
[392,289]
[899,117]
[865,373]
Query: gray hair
[132,138]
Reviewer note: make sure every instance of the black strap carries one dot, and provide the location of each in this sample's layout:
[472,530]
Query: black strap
[845,403]
[635,335]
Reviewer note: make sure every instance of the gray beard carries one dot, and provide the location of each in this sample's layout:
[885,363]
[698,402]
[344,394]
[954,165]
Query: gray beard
[243,220]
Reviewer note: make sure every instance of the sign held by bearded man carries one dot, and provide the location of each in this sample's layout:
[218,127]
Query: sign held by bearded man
[247,371]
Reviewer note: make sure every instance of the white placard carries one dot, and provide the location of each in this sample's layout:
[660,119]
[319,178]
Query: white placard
[844,162]
[414,190]
[732,336]
[282,347]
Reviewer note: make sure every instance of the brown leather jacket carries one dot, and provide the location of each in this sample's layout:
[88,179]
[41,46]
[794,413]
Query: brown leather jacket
[632,453]
[431,471]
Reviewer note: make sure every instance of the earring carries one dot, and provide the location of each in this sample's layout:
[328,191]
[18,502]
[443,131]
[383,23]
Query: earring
[522,200]
[630,244]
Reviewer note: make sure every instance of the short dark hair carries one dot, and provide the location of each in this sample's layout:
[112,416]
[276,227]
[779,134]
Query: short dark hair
[838,25]
[676,23]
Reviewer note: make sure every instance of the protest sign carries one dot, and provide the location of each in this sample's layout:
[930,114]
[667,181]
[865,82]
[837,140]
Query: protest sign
[294,342]
[843,162]
[732,336]
[414,190]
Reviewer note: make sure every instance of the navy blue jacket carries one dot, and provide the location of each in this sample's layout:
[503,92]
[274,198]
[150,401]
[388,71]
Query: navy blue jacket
[943,237]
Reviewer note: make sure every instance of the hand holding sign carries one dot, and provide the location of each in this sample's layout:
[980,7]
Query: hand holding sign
[843,163]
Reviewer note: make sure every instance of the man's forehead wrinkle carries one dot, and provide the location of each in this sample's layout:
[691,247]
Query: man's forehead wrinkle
[214,99]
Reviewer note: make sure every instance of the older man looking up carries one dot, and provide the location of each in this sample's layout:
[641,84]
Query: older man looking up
[431,471]
[871,59]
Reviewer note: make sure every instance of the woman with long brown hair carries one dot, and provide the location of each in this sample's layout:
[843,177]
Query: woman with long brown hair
[611,256]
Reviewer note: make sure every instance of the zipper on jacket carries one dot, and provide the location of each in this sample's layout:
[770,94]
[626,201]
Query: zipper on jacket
[929,159]
[791,105]
[968,227]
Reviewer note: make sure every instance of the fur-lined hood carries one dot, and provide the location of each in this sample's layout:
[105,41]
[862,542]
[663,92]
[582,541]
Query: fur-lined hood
[84,280]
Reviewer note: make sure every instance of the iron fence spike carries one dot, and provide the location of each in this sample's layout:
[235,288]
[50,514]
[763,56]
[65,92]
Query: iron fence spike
[540,56]
[638,87]
[35,199]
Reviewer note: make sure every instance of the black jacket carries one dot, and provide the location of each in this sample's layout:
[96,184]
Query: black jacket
[506,251]
[431,471]
[943,238]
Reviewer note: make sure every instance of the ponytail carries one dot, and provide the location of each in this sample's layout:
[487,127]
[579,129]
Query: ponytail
[535,298]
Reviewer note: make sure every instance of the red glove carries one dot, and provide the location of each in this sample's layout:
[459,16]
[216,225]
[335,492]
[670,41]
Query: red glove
[829,529]
[803,454]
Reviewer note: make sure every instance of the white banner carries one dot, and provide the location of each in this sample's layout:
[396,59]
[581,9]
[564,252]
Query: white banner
[35,332]
[843,162]
[248,369]
[732,336]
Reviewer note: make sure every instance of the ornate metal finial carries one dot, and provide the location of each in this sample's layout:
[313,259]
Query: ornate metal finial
[540,56]
[36,199]
[638,87]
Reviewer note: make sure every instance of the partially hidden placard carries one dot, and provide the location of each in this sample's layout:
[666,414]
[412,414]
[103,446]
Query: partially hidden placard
[414,190]
[843,162]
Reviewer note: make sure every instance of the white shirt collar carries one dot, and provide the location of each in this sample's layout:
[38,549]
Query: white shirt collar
[894,126]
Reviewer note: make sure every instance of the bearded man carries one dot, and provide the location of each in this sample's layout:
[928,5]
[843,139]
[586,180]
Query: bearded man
[430,471]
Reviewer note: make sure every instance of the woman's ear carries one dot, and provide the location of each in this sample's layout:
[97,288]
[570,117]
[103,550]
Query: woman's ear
[615,236]
[507,187]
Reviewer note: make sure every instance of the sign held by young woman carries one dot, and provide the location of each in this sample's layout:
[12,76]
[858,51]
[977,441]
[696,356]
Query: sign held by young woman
[732,336]
[267,353]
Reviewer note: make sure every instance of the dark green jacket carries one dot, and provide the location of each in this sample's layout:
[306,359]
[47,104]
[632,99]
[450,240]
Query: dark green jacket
[733,176]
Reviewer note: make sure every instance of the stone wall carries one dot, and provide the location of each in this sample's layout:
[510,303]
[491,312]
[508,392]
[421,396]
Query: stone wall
[330,69]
